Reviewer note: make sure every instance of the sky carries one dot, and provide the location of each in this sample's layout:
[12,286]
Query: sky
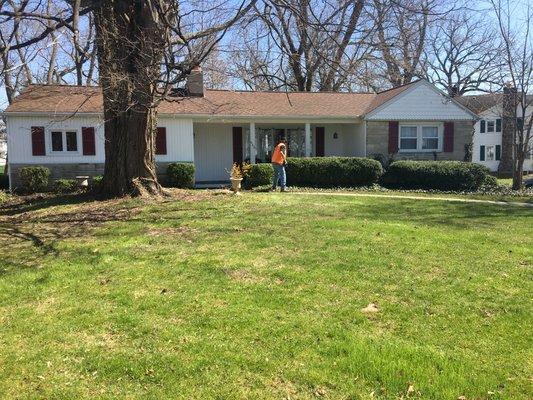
[518,9]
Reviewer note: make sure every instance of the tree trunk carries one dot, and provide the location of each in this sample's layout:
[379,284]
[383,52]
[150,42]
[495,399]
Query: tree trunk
[130,47]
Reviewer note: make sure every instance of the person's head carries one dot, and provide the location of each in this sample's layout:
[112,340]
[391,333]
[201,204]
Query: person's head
[282,145]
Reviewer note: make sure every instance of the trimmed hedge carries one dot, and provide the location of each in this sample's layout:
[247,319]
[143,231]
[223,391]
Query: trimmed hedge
[438,175]
[181,175]
[257,175]
[327,172]
[62,186]
[34,179]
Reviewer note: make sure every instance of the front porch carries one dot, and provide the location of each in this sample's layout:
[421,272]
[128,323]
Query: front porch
[217,145]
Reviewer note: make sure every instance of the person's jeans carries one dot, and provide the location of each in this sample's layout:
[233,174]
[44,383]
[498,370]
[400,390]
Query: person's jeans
[279,176]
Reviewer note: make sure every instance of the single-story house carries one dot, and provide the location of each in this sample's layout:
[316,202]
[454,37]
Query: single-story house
[61,127]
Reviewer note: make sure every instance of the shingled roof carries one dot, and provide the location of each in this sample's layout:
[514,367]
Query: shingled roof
[64,99]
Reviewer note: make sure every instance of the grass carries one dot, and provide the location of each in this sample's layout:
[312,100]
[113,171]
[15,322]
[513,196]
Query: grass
[509,181]
[259,296]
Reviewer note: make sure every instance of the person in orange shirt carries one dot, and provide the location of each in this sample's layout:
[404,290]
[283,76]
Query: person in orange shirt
[279,160]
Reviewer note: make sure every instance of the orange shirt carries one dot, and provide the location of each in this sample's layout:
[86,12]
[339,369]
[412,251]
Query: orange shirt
[278,157]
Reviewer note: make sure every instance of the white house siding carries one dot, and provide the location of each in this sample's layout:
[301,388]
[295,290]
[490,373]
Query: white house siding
[20,146]
[213,151]
[179,145]
[421,102]
[491,139]
[349,142]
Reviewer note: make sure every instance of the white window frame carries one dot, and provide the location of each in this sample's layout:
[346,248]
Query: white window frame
[492,121]
[419,128]
[64,152]
[487,146]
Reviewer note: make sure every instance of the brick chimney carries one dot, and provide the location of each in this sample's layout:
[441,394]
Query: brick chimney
[509,104]
[195,82]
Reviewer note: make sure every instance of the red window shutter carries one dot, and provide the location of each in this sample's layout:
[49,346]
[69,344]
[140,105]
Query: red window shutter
[37,141]
[161,141]
[88,143]
[394,136]
[320,141]
[237,144]
[448,137]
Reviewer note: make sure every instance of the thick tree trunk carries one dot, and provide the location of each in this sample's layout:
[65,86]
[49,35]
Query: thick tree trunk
[130,47]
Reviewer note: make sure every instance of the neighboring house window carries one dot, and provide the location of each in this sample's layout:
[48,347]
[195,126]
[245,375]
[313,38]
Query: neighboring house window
[490,153]
[64,141]
[490,126]
[420,138]
[519,123]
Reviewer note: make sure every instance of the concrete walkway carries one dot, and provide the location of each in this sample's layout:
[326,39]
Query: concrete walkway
[414,197]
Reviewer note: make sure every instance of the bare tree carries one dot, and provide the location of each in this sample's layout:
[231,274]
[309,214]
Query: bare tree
[303,45]
[517,76]
[402,33]
[144,49]
[463,55]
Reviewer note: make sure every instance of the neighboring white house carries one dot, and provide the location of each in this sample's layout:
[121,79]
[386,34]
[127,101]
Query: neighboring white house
[61,127]
[3,144]
[487,142]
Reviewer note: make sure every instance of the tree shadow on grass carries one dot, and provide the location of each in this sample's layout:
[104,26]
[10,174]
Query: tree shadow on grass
[451,214]
[23,204]
[28,237]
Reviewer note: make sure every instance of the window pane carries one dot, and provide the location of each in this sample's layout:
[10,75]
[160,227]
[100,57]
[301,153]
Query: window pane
[408,132]
[490,126]
[263,144]
[296,141]
[489,153]
[72,141]
[57,141]
[430,138]
[408,138]
[408,144]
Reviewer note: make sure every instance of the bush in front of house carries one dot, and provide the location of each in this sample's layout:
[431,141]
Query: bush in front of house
[34,179]
[62,186]
[181,175]
[328,172]
[256,175]
[437,175]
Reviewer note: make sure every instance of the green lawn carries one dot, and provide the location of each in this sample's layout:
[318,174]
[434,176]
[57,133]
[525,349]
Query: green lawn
[259,296]
[509,181]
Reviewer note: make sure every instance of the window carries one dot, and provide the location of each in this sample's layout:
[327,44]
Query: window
[430,138]
[72,141]
[420,138]
[519,123]
[490,153]
[408,138]
[64,141]
[57,141]
[490,126]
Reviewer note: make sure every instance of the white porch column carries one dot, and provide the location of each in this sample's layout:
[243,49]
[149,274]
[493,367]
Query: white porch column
[308,139]
[252,143]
